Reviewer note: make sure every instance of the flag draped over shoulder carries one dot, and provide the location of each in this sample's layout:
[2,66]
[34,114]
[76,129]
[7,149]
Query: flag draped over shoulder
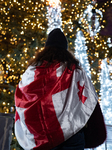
[52,104]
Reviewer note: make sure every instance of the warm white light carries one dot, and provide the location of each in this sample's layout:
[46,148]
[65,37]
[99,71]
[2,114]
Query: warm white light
[54,3]
[54,15]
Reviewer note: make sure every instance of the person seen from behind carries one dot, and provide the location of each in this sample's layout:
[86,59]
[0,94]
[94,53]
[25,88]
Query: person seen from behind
[56,104]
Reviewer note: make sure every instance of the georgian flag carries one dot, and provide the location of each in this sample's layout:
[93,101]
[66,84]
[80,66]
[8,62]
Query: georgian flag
[52,104]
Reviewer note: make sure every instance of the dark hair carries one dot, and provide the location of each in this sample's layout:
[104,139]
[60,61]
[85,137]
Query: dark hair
[55,55]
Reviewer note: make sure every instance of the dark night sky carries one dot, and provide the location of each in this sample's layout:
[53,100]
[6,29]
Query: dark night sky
[108,14]
[108,28]
[102,1]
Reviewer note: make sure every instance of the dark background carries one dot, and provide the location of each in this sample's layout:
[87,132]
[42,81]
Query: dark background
[108,17]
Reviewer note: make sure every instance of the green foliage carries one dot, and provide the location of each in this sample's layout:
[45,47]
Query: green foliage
[23,32]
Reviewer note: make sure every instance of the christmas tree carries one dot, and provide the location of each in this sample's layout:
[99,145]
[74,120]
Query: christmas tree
[22,32]
[23,26]
[106,92]
[23,29]
[106,97]
[54,15]
[81,52]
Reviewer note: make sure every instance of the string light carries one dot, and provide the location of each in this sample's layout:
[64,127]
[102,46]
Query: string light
[29,25]
[54,15]
[106,92]
[80,52]
[13,29]
[88,14]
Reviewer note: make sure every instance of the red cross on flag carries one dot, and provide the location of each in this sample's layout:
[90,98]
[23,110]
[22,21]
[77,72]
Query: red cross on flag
[52,104]
[80,93]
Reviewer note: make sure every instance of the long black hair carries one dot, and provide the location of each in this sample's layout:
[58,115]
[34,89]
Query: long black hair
[55,55]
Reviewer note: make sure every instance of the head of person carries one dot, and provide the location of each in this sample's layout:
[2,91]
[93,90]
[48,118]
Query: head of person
[56,38]
[55,51]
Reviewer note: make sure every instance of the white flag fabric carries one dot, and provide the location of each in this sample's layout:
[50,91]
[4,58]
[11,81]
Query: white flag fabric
[52,104]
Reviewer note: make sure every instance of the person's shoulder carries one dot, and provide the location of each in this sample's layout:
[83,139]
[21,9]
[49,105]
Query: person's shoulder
[30,69]
[80,71]
[81,74]
[27,77]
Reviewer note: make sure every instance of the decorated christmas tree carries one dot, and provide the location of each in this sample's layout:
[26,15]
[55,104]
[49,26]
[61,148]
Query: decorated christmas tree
[24,26]
[106,92]
[54,15]
[81,52]
[22,32]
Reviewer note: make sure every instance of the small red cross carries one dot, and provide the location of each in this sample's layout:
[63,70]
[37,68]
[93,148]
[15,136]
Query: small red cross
[81,97]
